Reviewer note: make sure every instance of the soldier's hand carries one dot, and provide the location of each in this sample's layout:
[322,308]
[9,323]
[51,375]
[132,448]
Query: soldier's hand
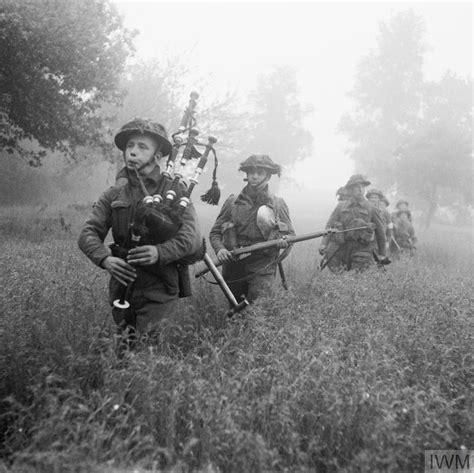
[283,243]
[224,255]
[322,250]
[120,270]
[143,255]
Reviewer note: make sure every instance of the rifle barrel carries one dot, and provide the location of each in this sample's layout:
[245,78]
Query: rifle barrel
[265,245]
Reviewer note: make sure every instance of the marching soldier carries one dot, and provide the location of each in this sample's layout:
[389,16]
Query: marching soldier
[356,249]
[403,205]
[342,194]
[384,205]
[152,268]
[377,199]
[404,234]
[254,216]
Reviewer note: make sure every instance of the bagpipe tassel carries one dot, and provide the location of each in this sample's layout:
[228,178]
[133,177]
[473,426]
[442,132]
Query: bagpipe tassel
[213,195]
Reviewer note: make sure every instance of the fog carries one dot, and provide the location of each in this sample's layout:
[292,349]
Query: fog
[231,43]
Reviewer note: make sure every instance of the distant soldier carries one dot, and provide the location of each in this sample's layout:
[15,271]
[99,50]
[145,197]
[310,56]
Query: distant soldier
[404,206]
[377,199]
[404,234]
[354,250]
[254,216]
[384,205]
[342,194]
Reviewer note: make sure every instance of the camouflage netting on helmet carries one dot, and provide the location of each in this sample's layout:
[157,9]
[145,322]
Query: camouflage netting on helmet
[260,161]
[144,127]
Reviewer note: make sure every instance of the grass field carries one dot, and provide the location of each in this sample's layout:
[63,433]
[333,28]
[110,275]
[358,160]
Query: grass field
[350,373]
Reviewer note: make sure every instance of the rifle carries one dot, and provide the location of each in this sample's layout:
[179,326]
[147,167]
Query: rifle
[396,244]
[242,252]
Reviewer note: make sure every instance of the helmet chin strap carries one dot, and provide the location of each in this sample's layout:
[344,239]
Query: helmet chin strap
[263,184]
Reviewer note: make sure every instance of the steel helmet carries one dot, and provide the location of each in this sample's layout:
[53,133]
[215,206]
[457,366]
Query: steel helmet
[143,127]
[261,161]
[357,179]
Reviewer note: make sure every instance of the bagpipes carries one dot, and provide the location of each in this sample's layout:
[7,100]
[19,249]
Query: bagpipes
[157,218]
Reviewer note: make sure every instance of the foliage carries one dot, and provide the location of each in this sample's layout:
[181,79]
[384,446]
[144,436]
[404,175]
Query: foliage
[159,88]
[410,135]
[435,162]
[60,61]
[387,93]
[351,373]
[277,127]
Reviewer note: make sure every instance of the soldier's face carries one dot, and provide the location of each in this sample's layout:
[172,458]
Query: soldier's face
[140,152]
[257,176]
[374,199]
[357,191]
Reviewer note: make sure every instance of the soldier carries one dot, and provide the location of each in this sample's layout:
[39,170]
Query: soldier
[377,199]
[404,234]
[152,267]
[255,215]
[356,251]
[384,205]
[404,206]
[342,194]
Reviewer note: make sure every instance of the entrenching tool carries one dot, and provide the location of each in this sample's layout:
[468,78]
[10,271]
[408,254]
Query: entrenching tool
[236,306]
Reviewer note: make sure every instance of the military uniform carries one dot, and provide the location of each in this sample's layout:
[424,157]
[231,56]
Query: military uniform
[342,194]
[254,274]
[404,234]
[384,215]
[403,205]
[354,250]
[156,288]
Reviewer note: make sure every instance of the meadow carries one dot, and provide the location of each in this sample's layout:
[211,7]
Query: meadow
[349,373]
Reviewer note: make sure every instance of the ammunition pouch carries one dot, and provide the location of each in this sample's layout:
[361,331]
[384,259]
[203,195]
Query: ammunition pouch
[229,236]
[363,236]
[367,235]
[337,238]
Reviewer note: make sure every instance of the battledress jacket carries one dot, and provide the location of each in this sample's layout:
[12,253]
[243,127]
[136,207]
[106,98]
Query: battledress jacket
[157,282]
[242,211]
[353,213]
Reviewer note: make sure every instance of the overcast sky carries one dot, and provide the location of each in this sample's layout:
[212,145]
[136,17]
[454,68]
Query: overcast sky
[233,41]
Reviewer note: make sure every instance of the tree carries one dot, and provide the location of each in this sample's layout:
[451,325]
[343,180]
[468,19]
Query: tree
[410,135]
[277,127]
[59,62]
[387,94]
[435,163]
[160,89]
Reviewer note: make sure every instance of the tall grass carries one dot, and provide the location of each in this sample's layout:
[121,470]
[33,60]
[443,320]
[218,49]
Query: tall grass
[357,372]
